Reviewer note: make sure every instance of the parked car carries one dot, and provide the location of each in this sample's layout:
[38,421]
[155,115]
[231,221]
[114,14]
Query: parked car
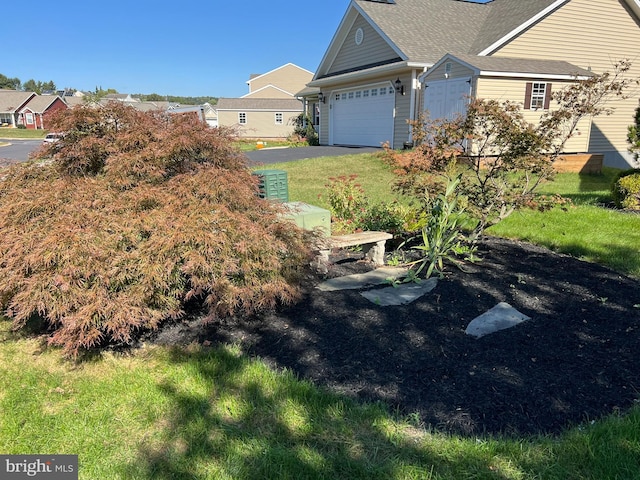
[52,137]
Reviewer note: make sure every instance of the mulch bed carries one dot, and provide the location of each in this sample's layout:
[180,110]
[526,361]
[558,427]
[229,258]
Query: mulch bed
[576,360]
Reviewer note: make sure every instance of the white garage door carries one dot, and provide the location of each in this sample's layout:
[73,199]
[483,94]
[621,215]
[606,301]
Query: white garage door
[362,116]
[447,98]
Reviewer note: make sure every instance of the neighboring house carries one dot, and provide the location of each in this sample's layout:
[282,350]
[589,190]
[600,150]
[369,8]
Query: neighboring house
[27,109]
[33,115]
[121,97]
[11,102]
[271,106]
[282,82]
[259,117]
[390,61]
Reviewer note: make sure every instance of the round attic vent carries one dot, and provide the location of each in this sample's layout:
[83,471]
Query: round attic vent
[359,36]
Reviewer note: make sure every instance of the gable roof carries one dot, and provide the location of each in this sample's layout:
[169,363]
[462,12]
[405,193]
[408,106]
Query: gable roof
[269,87]
[12,100]
[255,76]
[423,31]
[268,104]
[40,103]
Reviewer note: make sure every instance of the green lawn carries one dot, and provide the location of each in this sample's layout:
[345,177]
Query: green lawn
[21,133]
[212,413]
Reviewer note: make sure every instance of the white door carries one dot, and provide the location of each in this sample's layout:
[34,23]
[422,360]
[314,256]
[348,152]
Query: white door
[362,116]
[446,98]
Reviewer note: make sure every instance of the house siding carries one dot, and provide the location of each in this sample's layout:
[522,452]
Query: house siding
[260,124]
[289,78]
[513,90]
[605,33]
[372,49]
[457,71]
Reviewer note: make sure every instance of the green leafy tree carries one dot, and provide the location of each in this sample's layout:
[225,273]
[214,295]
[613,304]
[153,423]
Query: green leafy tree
[133,216]
[38,87]
[9,83]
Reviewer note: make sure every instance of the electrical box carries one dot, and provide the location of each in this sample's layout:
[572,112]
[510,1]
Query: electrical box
[273,185]
[309,217]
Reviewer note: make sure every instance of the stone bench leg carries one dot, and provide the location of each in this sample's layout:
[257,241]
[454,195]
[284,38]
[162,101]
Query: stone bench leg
[322,261]
[375,252]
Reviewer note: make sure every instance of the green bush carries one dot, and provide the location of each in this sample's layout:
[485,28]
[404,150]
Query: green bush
[132,216]
[626,189]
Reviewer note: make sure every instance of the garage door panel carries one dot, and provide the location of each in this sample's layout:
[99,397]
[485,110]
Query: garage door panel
[362,116]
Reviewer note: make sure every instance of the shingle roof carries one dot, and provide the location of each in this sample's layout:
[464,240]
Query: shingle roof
[425,30]
[11,100]
[258,104]
[523,65]
[40,103]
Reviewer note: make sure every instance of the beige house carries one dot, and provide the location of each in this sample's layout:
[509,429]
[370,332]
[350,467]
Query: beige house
[261,118]
[271,106]
[391,60]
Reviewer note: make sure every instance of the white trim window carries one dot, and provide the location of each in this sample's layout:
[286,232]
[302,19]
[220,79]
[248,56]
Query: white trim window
[279,118]
[29,118]
[537,96]
[242,118]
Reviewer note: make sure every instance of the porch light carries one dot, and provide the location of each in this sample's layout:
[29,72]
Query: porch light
[399,86]
[322,98]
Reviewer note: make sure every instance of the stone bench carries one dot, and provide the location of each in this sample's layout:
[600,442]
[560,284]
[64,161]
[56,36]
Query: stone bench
[373,245]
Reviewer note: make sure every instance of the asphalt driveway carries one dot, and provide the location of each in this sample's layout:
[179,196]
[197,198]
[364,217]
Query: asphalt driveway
[268,156]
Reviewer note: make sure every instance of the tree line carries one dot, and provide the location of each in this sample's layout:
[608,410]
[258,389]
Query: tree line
[41,87]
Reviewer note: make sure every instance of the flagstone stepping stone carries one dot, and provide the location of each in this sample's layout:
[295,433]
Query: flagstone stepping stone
[400,295]
[500,317]
[362,280]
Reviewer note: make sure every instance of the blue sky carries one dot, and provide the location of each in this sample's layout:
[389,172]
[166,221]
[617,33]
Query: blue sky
[185,48]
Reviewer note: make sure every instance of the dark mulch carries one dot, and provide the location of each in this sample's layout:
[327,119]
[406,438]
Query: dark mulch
[574,361]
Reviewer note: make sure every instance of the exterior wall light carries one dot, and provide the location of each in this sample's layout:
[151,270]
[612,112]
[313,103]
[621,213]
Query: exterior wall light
[322,98]
[399,86]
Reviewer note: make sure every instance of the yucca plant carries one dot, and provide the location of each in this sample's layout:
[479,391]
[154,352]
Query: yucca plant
[441,236]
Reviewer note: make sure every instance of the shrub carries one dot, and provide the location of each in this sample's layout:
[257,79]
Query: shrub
[134,215]
[303,129]
[626,189]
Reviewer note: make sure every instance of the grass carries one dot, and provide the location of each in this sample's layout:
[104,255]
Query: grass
[307,178]
[22,133]
[204,413]
[212,413]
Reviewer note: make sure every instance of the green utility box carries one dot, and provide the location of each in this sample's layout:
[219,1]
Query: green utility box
[273,185]
[309,217]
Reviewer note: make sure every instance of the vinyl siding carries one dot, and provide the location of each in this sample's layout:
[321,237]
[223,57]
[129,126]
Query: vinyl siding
[590,34]
[457,71]
[372,49]
[513,90]
[290,78]
[260,124]
[269,92]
